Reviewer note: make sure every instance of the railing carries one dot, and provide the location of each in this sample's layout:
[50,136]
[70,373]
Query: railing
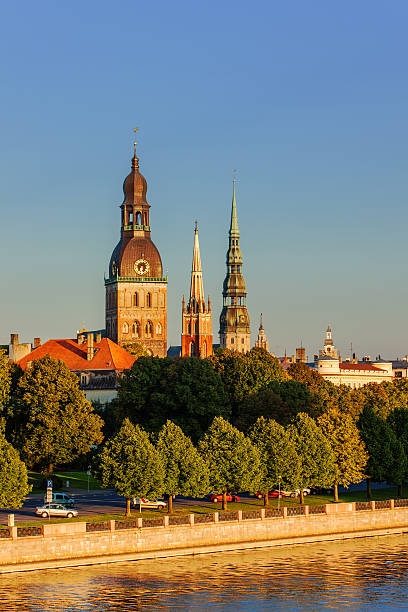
[136,279]
[317,509]
[146,228]
[102,526]
[23,532]
[363,505]
[203,518]
[184,519]
[381,505]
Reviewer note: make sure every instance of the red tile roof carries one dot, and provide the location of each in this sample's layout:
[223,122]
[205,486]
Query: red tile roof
[107,355]
[360,366]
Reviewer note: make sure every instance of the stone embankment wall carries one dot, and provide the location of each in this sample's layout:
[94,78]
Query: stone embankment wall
[72,544]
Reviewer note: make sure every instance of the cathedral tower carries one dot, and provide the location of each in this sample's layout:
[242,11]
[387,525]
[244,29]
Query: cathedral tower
[196,335]
[235,333]
[136,290]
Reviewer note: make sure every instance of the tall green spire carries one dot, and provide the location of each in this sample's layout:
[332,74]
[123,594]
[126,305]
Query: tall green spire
[234,229]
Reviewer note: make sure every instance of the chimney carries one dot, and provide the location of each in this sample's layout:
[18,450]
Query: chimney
[98,337]
[13,339]
[37,342]
[90,353]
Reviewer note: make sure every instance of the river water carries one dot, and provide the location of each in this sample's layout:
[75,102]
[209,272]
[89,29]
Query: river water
[364,574]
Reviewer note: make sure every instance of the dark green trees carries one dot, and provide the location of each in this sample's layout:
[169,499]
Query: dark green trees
[13,476]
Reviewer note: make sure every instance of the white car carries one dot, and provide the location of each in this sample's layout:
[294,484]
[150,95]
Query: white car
[143,502]
[295,493]
[55,510]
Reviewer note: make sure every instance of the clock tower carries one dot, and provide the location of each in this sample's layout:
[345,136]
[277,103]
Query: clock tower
[136,290]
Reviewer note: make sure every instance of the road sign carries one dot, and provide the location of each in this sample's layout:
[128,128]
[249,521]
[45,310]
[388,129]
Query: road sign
[48,498]
[49,484]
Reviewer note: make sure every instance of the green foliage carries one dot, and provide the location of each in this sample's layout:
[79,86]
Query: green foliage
[349,450]
[51,422]
[280,461]
[317,462]
[130,463]
[245,373]
[387,459]
[266,403]
[321,394]
[385,397]
[185,471]
[5,378]
[13,476]
[136,349]
[187,391]
[234,462]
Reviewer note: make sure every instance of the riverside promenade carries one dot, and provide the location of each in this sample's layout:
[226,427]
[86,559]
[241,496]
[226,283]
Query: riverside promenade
[75,544]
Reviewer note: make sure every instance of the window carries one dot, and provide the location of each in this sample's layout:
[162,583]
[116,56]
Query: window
[158,329]
[204,350]
[136,329]
[149,300]
[192,349]
[149,329]
[138,218]
[242,340]
[232,340]
[125,328]
[136,299]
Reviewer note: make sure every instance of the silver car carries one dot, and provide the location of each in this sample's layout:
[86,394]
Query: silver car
[55,510]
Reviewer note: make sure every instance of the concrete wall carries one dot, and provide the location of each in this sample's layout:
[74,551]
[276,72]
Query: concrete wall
[69,544]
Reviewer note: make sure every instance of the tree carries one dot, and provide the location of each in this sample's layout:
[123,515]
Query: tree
[187,391]
[265,403]
[245,373]
[13,476]
[280,461]
[349,450]
[234,463]
[5,378]
[398,421]
[136,349]
[385,397]
[317,462]
[129,463]
[50,421]
[322,394]
[387,459]
[185,471]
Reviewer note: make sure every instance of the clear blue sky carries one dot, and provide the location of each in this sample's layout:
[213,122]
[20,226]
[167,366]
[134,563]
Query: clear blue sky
[308,100]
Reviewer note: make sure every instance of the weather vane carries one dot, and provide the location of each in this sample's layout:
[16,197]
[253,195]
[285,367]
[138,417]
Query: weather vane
[234,172]
[135,143]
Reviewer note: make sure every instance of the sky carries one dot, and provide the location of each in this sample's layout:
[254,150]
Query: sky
[307,100]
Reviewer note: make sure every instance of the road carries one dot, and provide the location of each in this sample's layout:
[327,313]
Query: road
[87,504]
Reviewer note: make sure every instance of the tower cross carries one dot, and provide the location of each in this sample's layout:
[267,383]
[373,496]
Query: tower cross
[135,143]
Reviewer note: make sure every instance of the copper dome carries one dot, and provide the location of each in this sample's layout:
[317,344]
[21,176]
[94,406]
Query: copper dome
[135,185]
[126,254]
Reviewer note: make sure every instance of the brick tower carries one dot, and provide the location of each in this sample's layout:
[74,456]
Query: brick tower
[235,333]
[136,290]
[196,335]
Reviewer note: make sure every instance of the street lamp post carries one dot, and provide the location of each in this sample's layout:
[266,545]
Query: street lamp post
[279,495]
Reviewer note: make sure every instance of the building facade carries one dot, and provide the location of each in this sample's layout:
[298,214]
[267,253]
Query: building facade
[136,290]
[196,335]
[235,333]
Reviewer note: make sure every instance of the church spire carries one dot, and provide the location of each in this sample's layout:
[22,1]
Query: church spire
[234,229]
[196,287]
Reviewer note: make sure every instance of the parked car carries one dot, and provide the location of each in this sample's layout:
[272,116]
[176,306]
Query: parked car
[321,490]
[143,502]
[55,510]
[295,493]
[271,494]
[217,497]
[61,498]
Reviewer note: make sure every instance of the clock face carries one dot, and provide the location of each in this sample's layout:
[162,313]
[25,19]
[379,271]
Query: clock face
[141,267]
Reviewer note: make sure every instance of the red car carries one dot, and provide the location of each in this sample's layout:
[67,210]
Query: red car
[271,494]
[214,497]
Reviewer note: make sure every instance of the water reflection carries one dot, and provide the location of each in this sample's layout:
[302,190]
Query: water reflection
[365,574]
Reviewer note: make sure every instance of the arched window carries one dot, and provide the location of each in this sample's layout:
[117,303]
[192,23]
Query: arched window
[192,349]
[149,300]
[138,218]
[136,329]
[135,299]
[204,350]
[189,328]
[158,329]
[125,328]
[149,329]
[131,218]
